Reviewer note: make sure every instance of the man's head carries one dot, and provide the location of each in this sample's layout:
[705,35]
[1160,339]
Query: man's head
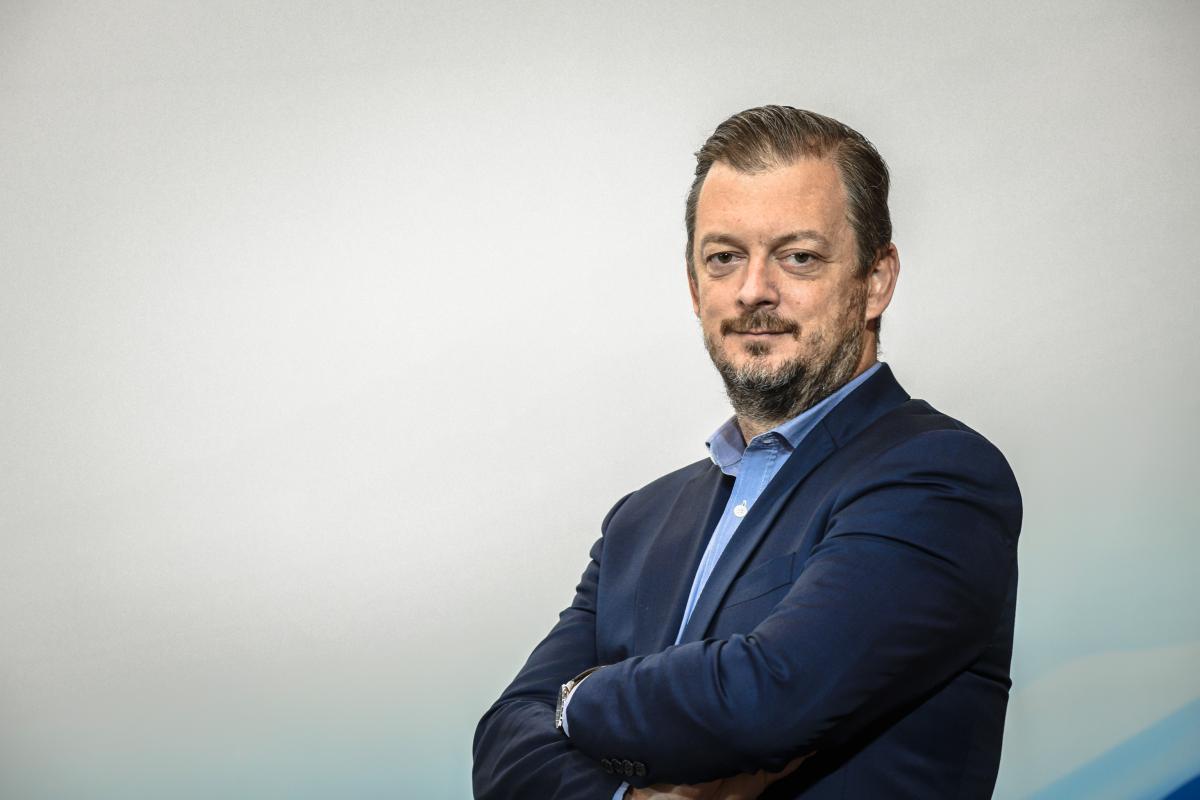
[790,262]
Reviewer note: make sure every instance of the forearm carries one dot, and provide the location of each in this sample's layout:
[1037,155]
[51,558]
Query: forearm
[715,708]
[519,754]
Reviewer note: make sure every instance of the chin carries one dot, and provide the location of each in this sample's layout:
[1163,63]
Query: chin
[763,368]
[763,355]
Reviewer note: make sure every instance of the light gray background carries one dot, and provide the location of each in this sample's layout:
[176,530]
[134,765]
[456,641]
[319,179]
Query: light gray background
[329,332]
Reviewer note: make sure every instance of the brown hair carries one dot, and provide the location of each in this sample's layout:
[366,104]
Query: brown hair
[768,136]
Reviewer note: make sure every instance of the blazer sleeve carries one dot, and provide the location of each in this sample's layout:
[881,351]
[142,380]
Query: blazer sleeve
[517,751]
[906,589]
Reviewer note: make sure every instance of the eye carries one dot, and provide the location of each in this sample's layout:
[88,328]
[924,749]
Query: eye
[722,262]
[800,262]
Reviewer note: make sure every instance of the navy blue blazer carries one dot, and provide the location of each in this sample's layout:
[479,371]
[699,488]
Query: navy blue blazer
[863,613]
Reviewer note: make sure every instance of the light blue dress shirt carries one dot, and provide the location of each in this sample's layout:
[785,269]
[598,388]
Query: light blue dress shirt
[752,466]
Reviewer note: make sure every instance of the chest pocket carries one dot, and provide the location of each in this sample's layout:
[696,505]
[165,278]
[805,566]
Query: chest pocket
[761,580]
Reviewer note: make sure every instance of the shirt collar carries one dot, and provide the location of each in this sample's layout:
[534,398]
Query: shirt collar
[726,445]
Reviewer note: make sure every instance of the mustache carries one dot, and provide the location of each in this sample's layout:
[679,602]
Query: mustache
[759,322]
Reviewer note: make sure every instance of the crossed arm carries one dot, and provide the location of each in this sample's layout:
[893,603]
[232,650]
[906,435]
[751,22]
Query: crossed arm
[518,753]
[904,591]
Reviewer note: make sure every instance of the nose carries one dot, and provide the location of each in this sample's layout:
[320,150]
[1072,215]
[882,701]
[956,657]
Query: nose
[758,287]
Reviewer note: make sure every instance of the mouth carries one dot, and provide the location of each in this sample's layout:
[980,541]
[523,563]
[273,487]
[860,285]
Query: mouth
[760,334]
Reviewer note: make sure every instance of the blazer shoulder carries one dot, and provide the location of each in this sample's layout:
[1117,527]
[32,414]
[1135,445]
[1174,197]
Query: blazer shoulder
[676,481]
[651,499]
[917,434]
[915,418]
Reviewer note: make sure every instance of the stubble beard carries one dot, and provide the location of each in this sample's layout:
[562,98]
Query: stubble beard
[768,396]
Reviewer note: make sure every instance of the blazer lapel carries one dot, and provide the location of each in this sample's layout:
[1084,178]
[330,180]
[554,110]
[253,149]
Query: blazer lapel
[878,395]
[815,448]
[673,558]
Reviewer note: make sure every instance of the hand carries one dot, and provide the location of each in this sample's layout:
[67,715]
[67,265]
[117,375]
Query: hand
[739,787]
[662,791]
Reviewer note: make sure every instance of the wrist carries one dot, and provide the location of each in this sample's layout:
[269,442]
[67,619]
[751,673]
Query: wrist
[564,699]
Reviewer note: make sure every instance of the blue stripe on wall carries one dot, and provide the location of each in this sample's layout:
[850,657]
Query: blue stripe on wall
[1149,766]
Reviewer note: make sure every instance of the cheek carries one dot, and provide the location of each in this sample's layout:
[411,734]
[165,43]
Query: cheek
[820,306]
[710,312]
[815,339]
[711,327]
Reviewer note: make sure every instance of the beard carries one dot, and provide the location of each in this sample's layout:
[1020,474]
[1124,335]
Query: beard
[767,395]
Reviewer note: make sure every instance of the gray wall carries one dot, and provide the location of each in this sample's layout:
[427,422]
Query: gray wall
[329,332]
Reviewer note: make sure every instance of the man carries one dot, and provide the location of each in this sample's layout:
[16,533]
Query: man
[823,608]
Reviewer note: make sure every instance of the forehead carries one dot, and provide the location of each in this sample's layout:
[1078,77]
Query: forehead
[807,193]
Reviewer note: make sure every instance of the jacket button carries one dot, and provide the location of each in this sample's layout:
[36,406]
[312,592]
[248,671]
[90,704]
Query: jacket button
[639,769]
[608,765]
[627,768]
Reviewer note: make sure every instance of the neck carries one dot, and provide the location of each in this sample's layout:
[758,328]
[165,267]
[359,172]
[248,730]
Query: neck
[752,425]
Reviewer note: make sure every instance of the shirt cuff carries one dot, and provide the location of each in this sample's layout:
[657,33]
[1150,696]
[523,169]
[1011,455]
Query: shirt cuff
[620,793]
[567,704]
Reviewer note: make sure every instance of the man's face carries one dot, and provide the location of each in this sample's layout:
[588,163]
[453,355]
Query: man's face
[776,286]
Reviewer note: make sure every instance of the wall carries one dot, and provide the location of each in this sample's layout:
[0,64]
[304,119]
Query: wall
[329,332]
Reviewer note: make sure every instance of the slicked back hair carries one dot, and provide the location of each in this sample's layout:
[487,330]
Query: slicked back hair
[766,137]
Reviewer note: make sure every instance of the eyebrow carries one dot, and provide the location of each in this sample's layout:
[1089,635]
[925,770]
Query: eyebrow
[806,234]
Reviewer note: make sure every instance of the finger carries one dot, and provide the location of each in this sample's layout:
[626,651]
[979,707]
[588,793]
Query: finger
[792,766]
[740,787]
[663,791]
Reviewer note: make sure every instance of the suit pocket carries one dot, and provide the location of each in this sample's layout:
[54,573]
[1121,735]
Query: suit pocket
[761,579]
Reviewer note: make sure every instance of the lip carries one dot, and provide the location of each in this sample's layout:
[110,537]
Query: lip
[758,334]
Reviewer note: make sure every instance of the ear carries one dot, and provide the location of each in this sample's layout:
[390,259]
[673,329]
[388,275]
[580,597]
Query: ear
[881,281]
[693,289]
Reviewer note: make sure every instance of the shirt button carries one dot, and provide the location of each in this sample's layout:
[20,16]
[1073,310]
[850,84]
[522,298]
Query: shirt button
[740,509]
